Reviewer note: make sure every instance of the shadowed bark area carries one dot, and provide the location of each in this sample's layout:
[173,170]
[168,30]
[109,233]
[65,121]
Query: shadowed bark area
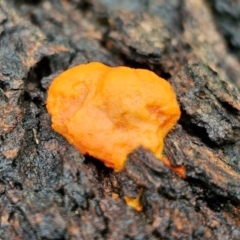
[48,190]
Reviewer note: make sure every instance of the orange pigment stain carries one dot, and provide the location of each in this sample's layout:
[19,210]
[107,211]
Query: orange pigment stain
[179,170]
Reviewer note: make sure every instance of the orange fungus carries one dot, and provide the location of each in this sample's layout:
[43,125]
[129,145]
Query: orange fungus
[107,112]
[135,202]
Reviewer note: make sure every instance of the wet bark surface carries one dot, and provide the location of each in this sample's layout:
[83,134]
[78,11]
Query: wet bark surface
[48,190]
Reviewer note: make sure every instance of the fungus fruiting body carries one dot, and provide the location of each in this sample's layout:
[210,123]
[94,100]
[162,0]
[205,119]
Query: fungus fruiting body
[135,202]
[107,112]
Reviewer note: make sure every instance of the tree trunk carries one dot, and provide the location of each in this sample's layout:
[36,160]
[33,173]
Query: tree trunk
[48,190]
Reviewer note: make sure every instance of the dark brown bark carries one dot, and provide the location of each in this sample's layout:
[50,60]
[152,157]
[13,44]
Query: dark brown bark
[48,190]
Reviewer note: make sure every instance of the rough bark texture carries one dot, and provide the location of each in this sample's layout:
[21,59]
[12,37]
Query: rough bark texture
[48,190]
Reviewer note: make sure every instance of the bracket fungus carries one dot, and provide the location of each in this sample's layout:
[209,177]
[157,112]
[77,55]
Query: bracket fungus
[107,112]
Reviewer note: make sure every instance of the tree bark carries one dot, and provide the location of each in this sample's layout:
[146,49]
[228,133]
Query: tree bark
[48,190]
